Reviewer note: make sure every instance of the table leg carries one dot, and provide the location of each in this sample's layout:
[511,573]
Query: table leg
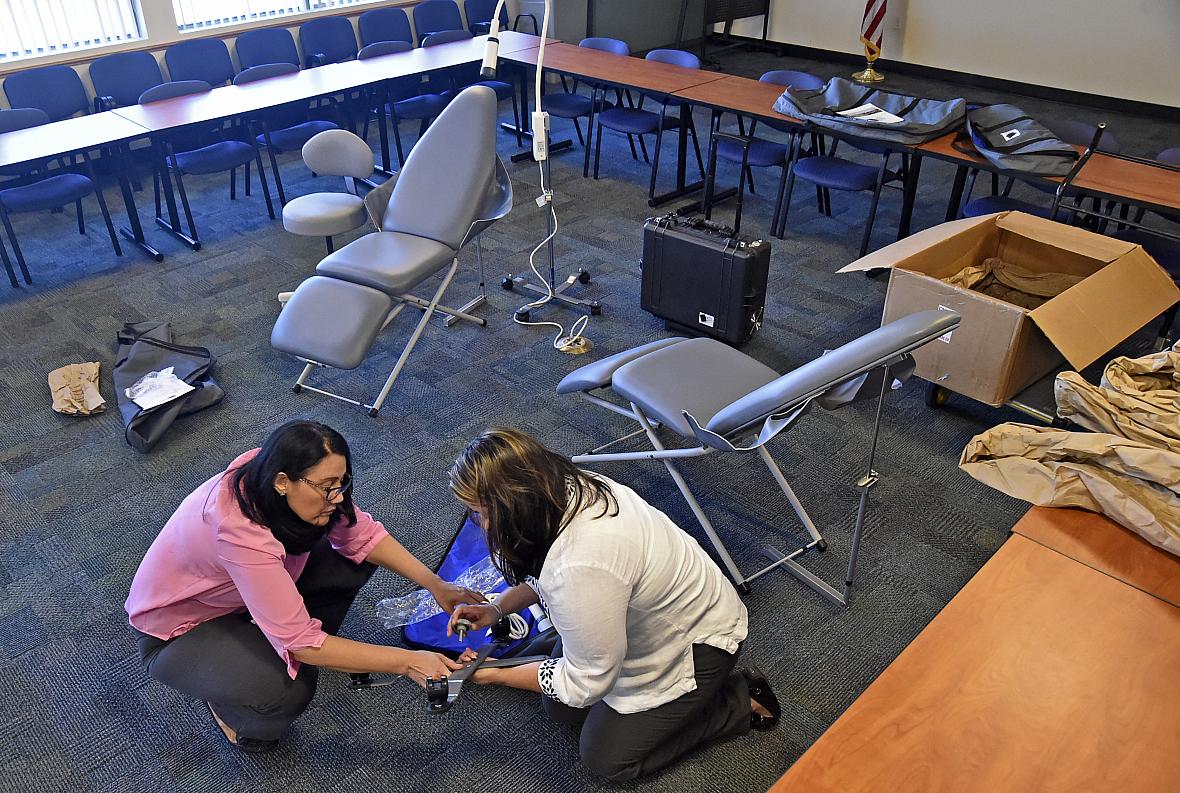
[909,194]
[526,126]
[682,189]
[383,133]
[124,166]
[952,206]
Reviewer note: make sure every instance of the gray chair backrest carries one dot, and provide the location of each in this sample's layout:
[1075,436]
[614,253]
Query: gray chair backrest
[379,48]
[263,72]
[441,188]
[338,152]
[174,89]
[877,348]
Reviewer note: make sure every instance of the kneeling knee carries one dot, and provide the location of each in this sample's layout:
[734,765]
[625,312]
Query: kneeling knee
[609,769]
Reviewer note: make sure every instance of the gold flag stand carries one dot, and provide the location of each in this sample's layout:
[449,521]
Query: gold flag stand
[869,75]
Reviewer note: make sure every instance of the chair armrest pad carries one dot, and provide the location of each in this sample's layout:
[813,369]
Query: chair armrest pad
[599,374]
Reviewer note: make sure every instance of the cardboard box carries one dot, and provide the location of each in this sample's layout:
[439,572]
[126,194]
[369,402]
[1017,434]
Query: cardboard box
[999,348]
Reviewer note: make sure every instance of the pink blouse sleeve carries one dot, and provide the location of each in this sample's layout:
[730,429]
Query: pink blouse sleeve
[356,542]
[274,603]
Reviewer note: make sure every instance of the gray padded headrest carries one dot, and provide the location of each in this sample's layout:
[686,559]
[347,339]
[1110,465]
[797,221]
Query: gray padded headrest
[441,187]
[877,348]
[338,152]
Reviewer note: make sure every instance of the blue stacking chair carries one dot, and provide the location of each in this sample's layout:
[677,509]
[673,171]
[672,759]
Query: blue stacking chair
[266,45]
[403,98]
[200,59]
[39,189]
[479,16]
[120,79]
[569,104]
[55,89]
[435,16]
[286,127]
[758,152]
[199,149]
[327,40]
[464,76]
[384,24]
[638,121]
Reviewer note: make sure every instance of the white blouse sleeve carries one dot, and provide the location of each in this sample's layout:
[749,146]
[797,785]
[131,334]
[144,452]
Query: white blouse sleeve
[588,605]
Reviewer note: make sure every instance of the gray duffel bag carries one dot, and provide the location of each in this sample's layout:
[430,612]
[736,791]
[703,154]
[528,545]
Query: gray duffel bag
[919,120]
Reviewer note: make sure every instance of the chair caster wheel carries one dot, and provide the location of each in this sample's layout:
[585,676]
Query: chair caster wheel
[522,316]
[936,395]
[373,412]
[595,309]
[822,545]
[506,283]
[583,277]
[743,589]
[296,388]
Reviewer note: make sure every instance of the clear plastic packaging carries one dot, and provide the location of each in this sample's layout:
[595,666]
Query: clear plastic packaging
[420,604]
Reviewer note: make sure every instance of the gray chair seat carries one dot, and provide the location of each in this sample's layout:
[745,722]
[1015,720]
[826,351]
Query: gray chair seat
[387,260]
[355,314]
[700,376]
[599,374]
[324,214]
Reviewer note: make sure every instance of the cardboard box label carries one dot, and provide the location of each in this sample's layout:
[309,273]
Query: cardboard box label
[946,337]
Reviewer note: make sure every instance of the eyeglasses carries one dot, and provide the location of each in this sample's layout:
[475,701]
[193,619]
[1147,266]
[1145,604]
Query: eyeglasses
[329,493]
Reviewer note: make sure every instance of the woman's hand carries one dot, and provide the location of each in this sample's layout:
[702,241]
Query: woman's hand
[480,615]
[450,595]
[421,664]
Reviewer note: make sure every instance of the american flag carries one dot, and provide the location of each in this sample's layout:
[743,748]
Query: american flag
[872,26]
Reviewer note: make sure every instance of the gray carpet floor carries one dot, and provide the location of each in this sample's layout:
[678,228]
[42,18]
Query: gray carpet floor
[78,507]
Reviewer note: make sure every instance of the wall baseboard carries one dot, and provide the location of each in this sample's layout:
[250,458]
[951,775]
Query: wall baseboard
[1163,112]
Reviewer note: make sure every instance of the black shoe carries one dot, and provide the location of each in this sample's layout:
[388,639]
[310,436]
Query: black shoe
[761,693]
[249,745]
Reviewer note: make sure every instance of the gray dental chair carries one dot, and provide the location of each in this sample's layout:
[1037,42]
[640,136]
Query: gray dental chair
[722,400]
[451,188]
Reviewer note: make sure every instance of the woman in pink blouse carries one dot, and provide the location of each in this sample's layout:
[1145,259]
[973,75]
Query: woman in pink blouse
[239,599]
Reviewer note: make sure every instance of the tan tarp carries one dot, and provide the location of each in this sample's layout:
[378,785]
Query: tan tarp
[1135,484]
[75,389]
[1139,399]
[1012,283]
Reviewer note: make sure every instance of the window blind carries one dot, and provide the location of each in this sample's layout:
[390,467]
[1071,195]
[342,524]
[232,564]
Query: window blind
[29,28]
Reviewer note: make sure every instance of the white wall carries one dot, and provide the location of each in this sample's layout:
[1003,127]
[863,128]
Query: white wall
[1121,48]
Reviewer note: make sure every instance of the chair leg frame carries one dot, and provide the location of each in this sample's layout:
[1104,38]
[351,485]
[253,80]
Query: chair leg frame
[429,307]
[786,561]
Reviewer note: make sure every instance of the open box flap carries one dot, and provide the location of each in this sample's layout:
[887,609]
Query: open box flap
[903,249]
[1069,238]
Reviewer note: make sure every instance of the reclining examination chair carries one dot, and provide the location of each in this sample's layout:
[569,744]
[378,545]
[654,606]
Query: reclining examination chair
[718,398]
[451,188]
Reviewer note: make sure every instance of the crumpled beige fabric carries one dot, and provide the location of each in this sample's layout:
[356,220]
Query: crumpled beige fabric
[1139,399]
[75,389]
[1135,484]
[1012,283]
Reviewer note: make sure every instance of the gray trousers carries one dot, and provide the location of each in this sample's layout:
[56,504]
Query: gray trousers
[622,746]
[229,663]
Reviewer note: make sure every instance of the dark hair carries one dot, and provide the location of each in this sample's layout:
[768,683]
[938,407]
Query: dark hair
[291,449]
[529,495]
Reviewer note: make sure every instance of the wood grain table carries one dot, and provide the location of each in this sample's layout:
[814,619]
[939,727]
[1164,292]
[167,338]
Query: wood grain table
[1043,675]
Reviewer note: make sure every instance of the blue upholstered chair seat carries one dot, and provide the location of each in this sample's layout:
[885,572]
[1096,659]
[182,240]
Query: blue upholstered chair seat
[633,121]
[215,158]
[293,138]
[503,90]
[564,105]
[49,193]
[839,174]
[988,205]
[1165,251]
[425,106]
[763,153]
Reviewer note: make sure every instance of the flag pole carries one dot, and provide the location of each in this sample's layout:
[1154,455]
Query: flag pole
[869,75]
[871,29]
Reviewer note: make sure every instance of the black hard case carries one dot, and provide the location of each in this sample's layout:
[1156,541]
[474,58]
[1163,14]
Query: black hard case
[703,279]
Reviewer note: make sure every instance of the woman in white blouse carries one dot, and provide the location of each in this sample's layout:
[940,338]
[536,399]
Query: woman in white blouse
[650,627]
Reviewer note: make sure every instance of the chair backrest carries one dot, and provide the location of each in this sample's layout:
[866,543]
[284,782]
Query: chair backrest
[331,37]
[263,72]
[1079,133]
[446,37]
[199,59]
[877,348]
[22,118]
[433,16]
[801,80]
[379,48]
[384,24]
[675,58]
[442,187]
[55,89]
[266,45]
[479,12]
[125,75]
[613,46]
[1170,156]
[338,152]
[173,89]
